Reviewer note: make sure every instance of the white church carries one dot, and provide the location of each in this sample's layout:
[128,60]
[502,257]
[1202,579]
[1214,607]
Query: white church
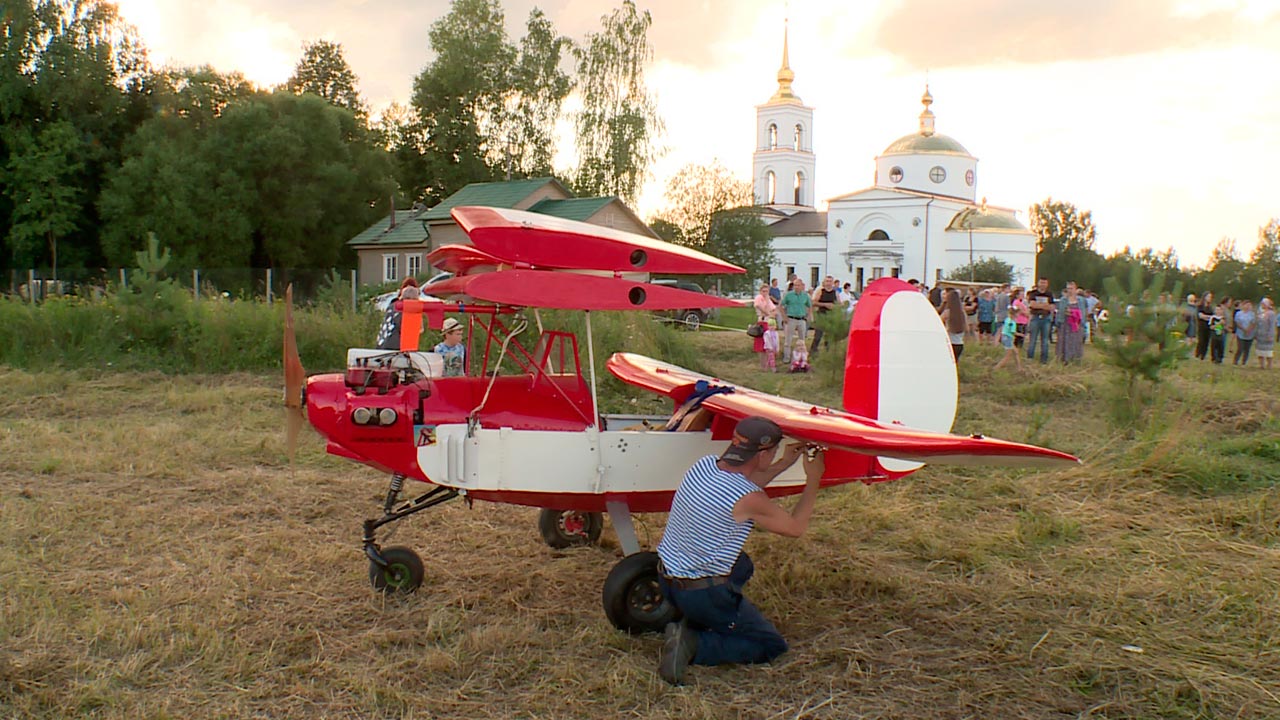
[918,220]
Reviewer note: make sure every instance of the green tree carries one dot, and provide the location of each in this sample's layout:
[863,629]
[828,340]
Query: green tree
[459,97]
[323,71]
[1264,262]
[739,236]
[696,194]
[538,89]
[1064,244]
[618,127]
[1137,339]
[276,180]
[986,269]
[41,183]
[1225,275]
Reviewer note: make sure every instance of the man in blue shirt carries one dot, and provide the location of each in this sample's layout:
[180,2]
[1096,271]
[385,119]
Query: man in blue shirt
[701,563]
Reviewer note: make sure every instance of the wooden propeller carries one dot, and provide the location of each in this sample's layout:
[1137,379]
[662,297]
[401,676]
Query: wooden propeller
[294,376]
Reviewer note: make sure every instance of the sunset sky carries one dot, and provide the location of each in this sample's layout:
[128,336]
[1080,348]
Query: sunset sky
[1160,116]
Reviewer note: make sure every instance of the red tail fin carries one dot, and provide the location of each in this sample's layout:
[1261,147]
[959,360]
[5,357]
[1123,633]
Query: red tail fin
[899,367]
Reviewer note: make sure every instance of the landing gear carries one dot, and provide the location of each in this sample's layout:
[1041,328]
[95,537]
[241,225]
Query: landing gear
[402,573]
[398,569]
[567,528]
[633,599]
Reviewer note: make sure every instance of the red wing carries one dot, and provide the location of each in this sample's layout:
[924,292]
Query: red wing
[551,289]
[463,259]
[835,428]
[547,242]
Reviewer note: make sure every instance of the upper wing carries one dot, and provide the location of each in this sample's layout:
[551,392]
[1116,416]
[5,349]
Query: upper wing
[835,428]
[551,289]
[546,242]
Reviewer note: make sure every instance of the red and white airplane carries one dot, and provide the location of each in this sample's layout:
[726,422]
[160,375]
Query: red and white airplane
[536,436]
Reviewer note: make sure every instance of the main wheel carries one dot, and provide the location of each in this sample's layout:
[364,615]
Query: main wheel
[567,528]
[633,599]
[403,573]
[692,319]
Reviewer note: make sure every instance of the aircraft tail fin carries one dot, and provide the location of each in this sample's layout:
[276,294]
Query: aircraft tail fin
[899,367]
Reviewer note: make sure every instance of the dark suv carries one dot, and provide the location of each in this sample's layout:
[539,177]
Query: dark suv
[691,318]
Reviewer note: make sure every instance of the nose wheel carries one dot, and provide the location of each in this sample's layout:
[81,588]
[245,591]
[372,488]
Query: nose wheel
[401,574]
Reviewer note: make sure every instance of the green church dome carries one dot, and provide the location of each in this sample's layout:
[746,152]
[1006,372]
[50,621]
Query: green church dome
[921,144]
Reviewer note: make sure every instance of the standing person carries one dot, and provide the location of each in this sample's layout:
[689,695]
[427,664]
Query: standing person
[1228,320]
[1218,333]
[1189,319]
[1002,309]
[770,347]
[1071,320]
[1204,316]
[971,312]
[1040,302]
[702,566]
[389,330]
[1021,315]
[774,293]
[1008,333]
[824,300]
[850,301]
[1265,343]
[766,308]
[954,318]
[452,349]
[987,314]
[798,307]
[1246,324]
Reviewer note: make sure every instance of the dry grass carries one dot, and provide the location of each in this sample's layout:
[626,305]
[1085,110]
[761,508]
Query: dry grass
[158,558]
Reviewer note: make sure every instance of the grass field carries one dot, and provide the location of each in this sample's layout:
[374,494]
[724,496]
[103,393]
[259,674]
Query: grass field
[159,558]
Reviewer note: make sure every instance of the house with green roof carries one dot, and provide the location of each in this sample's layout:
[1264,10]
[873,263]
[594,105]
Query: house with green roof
[397,246]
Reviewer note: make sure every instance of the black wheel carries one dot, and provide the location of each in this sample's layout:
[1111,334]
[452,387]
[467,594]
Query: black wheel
[633,599]
[692,319]
[403,573]
[567,528]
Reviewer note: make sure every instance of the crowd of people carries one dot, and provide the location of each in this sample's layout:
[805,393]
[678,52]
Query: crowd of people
[1023,322]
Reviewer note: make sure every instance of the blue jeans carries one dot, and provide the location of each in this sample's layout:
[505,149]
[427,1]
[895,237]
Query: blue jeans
[730,629]
[1038,331]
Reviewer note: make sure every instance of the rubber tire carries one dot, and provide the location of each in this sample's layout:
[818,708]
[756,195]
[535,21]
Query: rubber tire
[692,319]
[550,524]
[402,575]
[631,596]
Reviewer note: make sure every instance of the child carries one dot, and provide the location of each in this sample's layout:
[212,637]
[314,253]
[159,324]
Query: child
[1218,334]
[799,357]
[769,359]
[454,352]
[1008,334]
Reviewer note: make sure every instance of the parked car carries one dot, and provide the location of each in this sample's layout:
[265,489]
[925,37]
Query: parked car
[691,318]
[383,301]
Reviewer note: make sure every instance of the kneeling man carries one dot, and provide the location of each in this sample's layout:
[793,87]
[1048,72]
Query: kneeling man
[702,566]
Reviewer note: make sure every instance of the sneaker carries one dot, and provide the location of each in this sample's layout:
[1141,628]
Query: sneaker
[679,645]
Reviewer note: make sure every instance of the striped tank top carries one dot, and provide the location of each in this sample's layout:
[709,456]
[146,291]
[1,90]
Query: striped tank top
[702,538]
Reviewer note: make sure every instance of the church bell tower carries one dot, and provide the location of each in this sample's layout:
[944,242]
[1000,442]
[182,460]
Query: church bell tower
[783,164]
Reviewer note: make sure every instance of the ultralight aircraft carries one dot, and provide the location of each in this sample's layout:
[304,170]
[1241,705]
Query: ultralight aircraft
[536,436]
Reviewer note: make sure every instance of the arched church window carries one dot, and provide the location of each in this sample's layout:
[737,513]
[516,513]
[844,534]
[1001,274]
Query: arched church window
[773,136]
[799,137]
[895,174]
[878,234]
[937,174]
[799,188]
[771,183]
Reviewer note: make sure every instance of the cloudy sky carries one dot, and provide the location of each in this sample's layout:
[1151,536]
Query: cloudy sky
[1160,116]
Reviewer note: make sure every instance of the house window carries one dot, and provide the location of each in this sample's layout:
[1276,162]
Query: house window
[772,181]
[413,264]
[390,268]
[877,273]
[897,272]
[895,174]
[862,279]
[799,139]
[773,136]
[799,188]
[878,234]
[813,276]
[791,272]
[937,174]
